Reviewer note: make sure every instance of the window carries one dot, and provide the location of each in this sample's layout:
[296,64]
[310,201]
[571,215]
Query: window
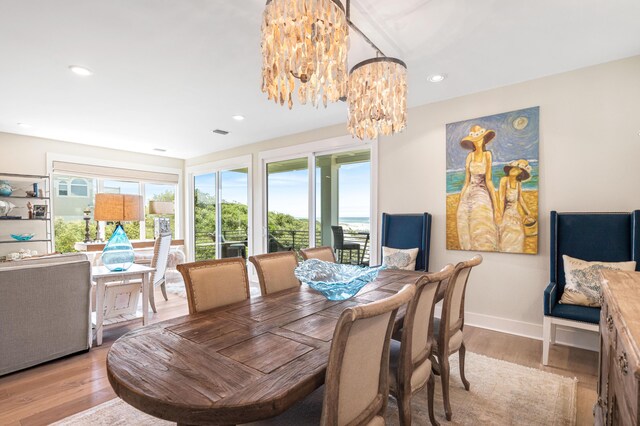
[63,188]
[79,188]
[76,194]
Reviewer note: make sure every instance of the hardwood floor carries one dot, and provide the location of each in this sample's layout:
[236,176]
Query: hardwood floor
[53,391]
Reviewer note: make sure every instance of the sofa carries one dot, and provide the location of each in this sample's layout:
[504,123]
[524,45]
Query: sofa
[44,310]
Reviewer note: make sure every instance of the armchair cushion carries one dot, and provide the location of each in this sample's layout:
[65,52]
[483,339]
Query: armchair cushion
[576,313]
[394,258]
[582,280]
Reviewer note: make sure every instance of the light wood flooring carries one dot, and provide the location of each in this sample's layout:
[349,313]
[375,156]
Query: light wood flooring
[53,391]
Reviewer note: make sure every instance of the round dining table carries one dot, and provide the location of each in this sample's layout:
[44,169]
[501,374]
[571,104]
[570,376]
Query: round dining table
[239,363]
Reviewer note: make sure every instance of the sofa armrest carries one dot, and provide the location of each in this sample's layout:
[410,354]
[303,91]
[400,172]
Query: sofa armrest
[550,297]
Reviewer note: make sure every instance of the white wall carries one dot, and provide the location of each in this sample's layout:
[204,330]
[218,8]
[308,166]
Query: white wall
[589,161]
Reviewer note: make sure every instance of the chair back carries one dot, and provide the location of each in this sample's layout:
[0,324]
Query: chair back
[417,331]
[338,237]
[275,271]
[214,283]
[607,237]
[357,379]
[405,231]
[320,253]
[160,257]
[452,318]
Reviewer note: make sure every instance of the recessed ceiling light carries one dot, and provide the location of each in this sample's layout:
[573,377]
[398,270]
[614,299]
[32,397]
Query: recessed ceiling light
[83,71]
[436,78]
[238,117]
[24,125]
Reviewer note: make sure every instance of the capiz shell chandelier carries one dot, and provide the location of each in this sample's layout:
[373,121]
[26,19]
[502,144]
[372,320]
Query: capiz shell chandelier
[304,41]
[377,97]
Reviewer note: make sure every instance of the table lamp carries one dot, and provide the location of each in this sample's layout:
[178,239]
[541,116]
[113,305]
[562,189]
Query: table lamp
[161,224]
[118,252]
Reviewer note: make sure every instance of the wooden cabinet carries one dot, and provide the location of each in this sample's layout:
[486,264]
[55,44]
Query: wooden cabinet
[619,373]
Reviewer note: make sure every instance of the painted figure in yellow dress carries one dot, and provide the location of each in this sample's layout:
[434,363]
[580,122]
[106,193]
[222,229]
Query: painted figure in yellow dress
[511,224]
[478,211]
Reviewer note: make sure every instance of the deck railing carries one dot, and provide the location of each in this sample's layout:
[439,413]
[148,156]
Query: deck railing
[279,240]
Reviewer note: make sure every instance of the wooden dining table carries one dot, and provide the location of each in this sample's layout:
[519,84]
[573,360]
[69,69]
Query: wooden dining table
[239,363]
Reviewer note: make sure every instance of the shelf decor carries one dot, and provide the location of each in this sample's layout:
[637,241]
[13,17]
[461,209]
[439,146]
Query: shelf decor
[118,252]
[5,188]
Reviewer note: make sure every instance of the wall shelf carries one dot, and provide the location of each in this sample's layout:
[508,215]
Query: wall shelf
[41,226]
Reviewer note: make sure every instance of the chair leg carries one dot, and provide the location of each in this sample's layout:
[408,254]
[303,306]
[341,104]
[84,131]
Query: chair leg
[163,287]
[546,337]
[404,408]
[152,300]
[553,333]
[461,355]
[431,387]
[444,376]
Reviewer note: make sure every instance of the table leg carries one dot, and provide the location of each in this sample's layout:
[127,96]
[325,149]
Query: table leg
[145,298]
[99,310]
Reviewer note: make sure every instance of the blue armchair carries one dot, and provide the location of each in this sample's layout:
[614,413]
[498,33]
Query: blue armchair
[607,237]
[404,231]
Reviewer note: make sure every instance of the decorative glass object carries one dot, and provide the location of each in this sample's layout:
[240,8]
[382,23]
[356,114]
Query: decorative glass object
[22,237]
[377,98]
[118,252]
[334,280]
[5,188]
[304,45]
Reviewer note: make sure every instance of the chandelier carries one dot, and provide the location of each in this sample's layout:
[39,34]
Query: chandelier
[304,47]
[377,98]
[304,42]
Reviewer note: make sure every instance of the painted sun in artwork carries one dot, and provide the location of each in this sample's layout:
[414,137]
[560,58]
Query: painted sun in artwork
[520,123]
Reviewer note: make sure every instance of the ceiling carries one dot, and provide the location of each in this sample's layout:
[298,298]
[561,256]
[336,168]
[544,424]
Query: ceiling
[166,73]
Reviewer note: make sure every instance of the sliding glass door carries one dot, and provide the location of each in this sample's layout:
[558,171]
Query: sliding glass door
[220,214]
[204,216]
[308,197]
[287,205]
[343,188]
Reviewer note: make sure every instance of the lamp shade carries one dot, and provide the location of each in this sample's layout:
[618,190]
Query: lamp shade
[118,208]
[161,207]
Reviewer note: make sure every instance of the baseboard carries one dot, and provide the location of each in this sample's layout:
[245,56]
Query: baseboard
[564,336]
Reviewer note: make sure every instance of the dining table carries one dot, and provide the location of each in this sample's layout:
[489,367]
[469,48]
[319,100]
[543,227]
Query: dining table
[239,363]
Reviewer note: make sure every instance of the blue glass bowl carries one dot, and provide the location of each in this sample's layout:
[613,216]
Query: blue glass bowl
[335,281]
[22,237]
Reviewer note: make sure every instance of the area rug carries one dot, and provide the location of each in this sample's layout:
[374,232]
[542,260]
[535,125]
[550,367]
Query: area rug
[501,393]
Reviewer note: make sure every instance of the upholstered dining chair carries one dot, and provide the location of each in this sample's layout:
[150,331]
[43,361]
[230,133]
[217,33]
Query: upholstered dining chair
[275,271]
[356,386]
[448,328]
[160,260]
[321,253]
[410,359]
[406,231]
[214,283]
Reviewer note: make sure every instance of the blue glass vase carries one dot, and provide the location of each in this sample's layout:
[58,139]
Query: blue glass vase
[118,252]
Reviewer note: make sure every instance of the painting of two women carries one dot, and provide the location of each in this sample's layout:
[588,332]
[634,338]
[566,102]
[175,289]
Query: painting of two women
[492,183]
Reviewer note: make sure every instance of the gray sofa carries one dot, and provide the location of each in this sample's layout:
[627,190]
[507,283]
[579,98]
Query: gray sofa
[45,310]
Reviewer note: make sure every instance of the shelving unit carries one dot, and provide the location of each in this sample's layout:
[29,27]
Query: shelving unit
[42,227]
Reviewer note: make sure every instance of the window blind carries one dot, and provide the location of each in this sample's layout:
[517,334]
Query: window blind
[77,169]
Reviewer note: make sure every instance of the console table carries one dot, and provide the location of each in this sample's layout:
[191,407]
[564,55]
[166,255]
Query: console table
[619,372]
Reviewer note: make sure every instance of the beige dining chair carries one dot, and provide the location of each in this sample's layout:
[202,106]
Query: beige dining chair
[159,262]
[449,328]
[356,386]
[410,359]
[321,253]
[214,283]
[275,271]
